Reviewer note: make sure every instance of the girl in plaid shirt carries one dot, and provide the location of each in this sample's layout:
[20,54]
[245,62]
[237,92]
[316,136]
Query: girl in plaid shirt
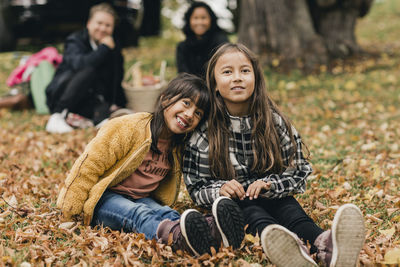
[249,151]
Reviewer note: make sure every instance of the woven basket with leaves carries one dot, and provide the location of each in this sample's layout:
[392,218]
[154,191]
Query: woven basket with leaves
[141,91]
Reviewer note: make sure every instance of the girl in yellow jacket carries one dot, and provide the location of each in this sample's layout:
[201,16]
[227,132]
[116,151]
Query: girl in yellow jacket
[129,175]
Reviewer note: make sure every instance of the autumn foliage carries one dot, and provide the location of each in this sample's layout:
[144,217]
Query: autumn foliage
[348,115]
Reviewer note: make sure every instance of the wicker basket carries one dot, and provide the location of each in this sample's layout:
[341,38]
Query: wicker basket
[142,97]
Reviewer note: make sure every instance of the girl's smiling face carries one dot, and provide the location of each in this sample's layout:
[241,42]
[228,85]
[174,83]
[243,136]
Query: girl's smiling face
[234,78]
[181,117]
[200,21]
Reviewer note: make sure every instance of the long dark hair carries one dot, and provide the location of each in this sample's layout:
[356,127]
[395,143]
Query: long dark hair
[183,86]
[264,135]
[186,28]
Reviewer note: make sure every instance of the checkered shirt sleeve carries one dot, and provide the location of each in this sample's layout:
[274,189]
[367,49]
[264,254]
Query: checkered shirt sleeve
[293,179]
[203,189]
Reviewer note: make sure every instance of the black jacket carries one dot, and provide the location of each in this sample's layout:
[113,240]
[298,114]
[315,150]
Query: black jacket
[78,54]
[193,54]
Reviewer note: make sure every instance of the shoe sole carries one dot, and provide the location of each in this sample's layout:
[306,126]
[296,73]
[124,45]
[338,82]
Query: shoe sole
[229,220]
[283,249]
[196,232]
[348,235]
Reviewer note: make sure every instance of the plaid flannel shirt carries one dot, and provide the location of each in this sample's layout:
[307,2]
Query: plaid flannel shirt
[204,189]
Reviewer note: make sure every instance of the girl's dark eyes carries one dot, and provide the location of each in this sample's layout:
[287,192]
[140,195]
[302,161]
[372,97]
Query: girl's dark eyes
[187,103]
[199,114]
[229,71]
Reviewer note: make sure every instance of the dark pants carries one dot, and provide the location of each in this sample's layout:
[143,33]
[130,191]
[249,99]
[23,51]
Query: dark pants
[261,212]
[83,94]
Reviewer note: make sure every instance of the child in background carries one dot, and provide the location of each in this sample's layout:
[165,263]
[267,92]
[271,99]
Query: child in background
[134,164]
[203,36]
[249,151]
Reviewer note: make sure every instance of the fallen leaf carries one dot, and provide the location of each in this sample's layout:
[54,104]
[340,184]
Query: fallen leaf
[66,225]
[388,232]
[392,256]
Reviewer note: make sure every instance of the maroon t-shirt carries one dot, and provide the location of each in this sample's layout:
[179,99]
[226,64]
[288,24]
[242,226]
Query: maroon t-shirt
[147,177]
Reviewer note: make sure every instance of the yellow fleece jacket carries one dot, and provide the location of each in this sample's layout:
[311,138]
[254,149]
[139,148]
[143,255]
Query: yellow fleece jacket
[115,153]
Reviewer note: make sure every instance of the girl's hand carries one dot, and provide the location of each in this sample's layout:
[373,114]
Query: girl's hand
[233,189]
[256,187]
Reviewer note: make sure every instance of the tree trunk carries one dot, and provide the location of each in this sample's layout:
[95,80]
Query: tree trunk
[151,24]
[335,21]
[7,40]
[284,27]
[305,31]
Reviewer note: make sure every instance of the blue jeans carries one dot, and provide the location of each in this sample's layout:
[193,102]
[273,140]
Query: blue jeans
[120,212]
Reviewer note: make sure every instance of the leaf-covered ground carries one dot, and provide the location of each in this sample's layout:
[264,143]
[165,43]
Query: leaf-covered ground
[349,117]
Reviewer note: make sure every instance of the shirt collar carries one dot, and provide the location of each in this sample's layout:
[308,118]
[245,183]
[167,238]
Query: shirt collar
[240,124]
[93,44]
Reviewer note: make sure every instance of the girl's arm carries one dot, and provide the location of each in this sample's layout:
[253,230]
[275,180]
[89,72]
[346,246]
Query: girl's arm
[104,151]
[293,179]
[196,173]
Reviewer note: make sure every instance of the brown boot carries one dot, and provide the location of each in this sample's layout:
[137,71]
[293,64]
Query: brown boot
[191,233]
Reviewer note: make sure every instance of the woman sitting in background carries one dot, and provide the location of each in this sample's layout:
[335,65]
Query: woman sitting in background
[203,36]
[86,87]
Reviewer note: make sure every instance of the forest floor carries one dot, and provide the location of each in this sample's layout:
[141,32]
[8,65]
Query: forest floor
[349,118]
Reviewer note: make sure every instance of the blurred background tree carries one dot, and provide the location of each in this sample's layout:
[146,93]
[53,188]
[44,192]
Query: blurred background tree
[303,33]
[289,33]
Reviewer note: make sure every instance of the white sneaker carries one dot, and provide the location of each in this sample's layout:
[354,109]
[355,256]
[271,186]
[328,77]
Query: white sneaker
[348,235]
[284,249]
[57,124]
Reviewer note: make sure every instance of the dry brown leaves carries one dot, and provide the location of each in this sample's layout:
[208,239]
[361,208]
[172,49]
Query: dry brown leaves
[350,121]
[359,167]
[33,164]
[352,135]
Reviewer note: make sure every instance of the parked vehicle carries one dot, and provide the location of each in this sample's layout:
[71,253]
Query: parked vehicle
[48,20]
